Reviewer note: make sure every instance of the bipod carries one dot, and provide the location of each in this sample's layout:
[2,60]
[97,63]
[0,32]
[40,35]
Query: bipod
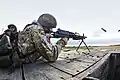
[82,41]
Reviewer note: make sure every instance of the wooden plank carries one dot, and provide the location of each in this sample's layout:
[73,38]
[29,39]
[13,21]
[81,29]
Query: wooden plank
[75,65]
[92,68]
[99,53]
[71,67]
[88,58]
[16,75]
[42,71]
[73,78]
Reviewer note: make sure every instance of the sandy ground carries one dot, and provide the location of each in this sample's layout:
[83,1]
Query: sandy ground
[98,51]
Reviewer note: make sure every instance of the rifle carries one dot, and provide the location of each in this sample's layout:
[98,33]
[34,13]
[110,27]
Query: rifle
[66,34]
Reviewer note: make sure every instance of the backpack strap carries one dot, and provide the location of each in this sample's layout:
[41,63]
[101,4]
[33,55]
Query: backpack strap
[33,23]
[10,45]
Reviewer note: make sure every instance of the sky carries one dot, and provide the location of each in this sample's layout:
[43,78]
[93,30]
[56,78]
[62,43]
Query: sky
[82,16]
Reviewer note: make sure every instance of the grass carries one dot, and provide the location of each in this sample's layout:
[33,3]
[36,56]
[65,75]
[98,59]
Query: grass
[75,47]
[90,47]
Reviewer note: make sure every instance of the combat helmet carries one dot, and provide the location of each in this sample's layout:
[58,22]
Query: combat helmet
[47,20]
[12,26]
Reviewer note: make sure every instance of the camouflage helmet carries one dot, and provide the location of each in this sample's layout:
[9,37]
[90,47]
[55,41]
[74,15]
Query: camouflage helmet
[47,20]
[12,26]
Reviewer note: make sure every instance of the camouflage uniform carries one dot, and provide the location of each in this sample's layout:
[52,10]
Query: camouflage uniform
[32,44]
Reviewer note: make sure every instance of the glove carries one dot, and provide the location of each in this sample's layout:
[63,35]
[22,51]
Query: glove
[62,42]
[47,38]
[65,40]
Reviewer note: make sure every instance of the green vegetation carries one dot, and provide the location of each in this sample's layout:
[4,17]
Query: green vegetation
[75,47]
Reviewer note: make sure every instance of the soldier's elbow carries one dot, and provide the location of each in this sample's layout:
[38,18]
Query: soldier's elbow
[52,60]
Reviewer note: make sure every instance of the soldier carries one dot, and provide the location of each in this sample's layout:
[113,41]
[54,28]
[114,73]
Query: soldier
[34,40]
[14,35]
[5,44]
[13,29]
[5,49]
[14,41]
[8,46]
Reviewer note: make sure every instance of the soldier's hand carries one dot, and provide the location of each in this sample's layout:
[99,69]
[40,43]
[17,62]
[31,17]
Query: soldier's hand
[47,38]
[65,40]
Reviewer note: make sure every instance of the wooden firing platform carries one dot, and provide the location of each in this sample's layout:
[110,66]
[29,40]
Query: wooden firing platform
[69,66]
